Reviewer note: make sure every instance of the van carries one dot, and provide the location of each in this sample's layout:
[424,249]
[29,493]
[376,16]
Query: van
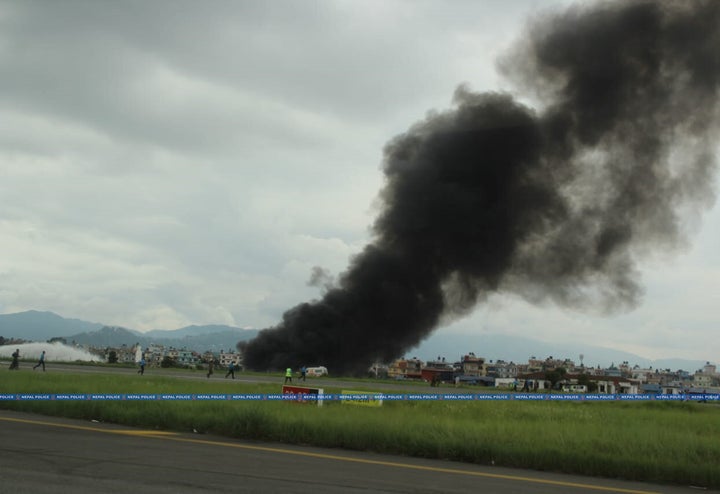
[317,371]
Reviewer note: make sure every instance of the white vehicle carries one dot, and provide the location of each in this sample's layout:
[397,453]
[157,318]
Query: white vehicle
[574,388]
[317,371]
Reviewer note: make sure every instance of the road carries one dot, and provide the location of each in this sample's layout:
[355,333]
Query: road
[44,455]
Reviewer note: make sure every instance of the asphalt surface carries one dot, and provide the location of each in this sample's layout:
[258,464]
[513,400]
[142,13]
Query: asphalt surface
[43,455]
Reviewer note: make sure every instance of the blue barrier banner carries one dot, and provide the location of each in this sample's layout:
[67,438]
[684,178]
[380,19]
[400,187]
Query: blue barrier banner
[531,397]
[565,397]
[283,397]
[107,397]
[353,397]
[670,397]
[210,397]
[430,397]
[500,397]
[69,397]
[635,397]
[458,397]
[695,397]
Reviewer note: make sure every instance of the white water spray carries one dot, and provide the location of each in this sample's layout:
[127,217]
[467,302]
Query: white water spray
[54,352]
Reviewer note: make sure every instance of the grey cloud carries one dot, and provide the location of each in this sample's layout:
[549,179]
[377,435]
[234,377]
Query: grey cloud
[182,160]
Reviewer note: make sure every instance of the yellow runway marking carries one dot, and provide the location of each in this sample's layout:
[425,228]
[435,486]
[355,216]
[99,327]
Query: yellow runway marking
[172,436]
[131,432]
[145,433]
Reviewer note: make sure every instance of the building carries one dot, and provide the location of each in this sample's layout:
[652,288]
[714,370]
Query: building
[186,358]
[501,370]
[602,384]
[437,371]
[225,358]
[473,366]
[405,369]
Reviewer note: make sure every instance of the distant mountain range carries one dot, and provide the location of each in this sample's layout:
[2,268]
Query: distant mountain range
[42,326]
[39,326]
[519,349]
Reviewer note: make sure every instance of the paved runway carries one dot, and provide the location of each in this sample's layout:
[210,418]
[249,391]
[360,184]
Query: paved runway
[44,455]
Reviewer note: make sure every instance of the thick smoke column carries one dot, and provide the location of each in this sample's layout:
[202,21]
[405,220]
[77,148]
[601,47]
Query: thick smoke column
[552,204]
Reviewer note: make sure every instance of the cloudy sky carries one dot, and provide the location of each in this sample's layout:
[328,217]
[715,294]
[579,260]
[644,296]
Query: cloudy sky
[169,163]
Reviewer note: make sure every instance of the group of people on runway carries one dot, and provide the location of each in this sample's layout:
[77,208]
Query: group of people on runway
[15,362]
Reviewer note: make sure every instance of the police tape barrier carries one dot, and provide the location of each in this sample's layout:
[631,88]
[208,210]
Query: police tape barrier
[365,398]
[373,399]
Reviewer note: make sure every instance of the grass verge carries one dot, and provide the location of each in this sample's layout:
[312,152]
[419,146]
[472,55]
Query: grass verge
[668,442]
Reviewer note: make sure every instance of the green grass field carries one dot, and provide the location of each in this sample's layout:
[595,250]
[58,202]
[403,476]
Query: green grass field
[669,442]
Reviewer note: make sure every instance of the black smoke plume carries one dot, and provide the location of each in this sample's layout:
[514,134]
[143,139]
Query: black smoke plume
[551,204]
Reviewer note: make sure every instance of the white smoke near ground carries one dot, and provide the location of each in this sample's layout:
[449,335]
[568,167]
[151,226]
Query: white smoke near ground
[54,352]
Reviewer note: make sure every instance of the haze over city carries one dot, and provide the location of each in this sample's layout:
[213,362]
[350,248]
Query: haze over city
[167,164]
